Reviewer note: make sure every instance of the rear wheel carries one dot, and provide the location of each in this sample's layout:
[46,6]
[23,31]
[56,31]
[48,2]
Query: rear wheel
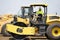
[18,36]
[53,31]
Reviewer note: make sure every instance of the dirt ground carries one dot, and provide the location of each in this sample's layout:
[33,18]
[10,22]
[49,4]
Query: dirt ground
[4,38]
[11,38]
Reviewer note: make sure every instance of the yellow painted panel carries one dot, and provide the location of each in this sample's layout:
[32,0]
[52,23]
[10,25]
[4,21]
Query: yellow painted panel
[26,21]
[26,30]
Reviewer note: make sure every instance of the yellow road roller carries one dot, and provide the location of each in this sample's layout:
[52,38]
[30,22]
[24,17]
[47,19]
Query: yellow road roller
[4,19]
[45,26]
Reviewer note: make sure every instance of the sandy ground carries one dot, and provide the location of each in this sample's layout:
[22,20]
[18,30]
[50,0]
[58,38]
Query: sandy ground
[4,38]
[11,38]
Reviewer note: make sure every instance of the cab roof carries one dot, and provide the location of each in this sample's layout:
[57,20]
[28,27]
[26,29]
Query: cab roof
[39,5]
[25,7]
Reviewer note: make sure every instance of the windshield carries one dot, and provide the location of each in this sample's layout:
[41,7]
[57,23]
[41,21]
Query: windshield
[26,11]
[36,8]
[19,13]
[23,12]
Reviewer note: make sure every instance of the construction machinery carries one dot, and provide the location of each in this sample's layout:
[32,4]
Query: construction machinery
[4,19]
[49,26]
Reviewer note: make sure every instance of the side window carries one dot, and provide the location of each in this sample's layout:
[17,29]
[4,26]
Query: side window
[26,11]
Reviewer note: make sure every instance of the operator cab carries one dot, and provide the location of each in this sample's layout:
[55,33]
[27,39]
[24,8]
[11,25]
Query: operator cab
[35,7]
[41,25]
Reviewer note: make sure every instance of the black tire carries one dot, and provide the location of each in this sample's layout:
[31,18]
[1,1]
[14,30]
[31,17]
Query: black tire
[16,36]
[4,32]
[49,32]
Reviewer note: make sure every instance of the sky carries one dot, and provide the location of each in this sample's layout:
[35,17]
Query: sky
[13,6]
